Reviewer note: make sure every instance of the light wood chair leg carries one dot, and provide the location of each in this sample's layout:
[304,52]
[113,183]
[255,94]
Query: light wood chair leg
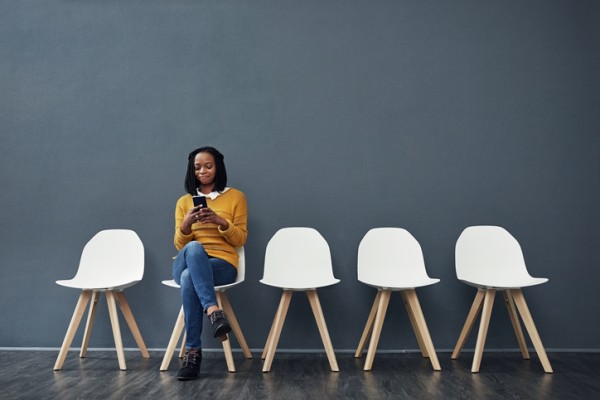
[315,304]
[90,322]
[235,326]
[415,326]
[284,304]
[264,353]
[531,329]
[421,325]
[514,319]
[384,300]
[225,340]
[82,302]
[133,327]
[177,329]
[470,321]
[271,331]
[368,327]
[486,313]
[228,355]
[114,321]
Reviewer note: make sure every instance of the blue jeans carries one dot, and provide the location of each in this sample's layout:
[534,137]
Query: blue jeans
[198,274]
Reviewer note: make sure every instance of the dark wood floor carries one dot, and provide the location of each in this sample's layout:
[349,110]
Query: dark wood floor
[29,375]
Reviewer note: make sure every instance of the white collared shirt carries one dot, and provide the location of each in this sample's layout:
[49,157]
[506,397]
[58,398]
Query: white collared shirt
[212,195]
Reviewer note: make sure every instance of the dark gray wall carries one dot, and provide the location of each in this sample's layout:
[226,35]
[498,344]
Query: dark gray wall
[339,115]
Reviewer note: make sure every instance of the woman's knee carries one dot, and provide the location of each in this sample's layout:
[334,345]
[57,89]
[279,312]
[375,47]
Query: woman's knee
[185,280]
[194,249]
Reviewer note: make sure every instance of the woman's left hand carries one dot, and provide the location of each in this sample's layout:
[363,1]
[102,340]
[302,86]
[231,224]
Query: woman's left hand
[208,216]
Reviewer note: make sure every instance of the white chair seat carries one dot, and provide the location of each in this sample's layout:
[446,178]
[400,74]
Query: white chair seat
[401,285]
[101,283]
[173,284]
[505,282]
[312,284]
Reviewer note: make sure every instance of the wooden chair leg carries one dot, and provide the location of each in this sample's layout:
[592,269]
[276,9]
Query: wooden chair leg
[82,302]
[177,329]
[90,322]
[315,304]
[228,355]
[225,340]
[421,325]
[276,329]
[514,319]
[415,326]
[486,313]
[473,313]
[384,300]
[271,331]
[133,327]
[531,329]
[264,353]
[235,326]
[114,321]
[368,327]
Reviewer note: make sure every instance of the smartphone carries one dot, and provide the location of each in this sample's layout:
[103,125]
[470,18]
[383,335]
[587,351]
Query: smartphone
[199,201]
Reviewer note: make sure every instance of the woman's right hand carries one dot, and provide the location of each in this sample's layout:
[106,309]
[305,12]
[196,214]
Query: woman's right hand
[190,218]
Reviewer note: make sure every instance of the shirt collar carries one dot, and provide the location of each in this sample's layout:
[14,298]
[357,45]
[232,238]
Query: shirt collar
[212,195]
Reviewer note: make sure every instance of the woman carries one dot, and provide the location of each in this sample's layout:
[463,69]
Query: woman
[206,238]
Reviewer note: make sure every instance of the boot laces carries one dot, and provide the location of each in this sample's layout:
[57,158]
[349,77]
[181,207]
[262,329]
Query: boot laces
[190,358]
[215,316]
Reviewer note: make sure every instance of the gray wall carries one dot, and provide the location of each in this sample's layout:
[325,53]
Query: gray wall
[339,115]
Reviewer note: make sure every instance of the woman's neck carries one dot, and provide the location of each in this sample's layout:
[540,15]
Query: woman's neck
[206,189]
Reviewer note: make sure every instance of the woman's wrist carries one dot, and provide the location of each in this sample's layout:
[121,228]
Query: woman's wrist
[185,231]
[224,225]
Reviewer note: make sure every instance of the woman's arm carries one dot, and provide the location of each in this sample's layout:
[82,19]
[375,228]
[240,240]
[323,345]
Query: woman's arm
[234,230]
[185,215]
[237,230]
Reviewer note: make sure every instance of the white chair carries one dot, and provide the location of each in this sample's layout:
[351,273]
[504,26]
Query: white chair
[298,259]
[490,259]
[390,259]
[225,305]
[110,262]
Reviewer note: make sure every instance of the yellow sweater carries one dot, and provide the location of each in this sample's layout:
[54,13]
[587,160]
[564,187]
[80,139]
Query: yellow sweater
[218,243]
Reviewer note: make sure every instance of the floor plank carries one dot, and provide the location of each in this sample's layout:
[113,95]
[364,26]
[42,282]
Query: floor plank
[29,375]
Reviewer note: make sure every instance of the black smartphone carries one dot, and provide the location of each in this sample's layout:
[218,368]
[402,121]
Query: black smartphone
[199,201]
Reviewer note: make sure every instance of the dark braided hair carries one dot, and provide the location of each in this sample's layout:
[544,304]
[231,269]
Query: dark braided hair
[192,184]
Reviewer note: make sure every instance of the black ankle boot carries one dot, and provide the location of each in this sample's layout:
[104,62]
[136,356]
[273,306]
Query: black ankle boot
[220,325]
[190,368]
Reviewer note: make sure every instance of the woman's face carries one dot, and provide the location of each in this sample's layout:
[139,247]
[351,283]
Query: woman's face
[205,168]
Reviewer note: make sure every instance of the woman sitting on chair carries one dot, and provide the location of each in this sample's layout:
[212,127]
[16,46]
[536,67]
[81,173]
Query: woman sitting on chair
[206,237]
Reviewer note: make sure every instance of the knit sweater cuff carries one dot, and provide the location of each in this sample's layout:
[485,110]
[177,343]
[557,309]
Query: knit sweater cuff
[226,232]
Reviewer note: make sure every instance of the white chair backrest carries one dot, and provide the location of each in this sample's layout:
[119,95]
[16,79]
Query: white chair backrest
[111,258]
[241,269]
[489,254]
[298,258]
[390,255]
